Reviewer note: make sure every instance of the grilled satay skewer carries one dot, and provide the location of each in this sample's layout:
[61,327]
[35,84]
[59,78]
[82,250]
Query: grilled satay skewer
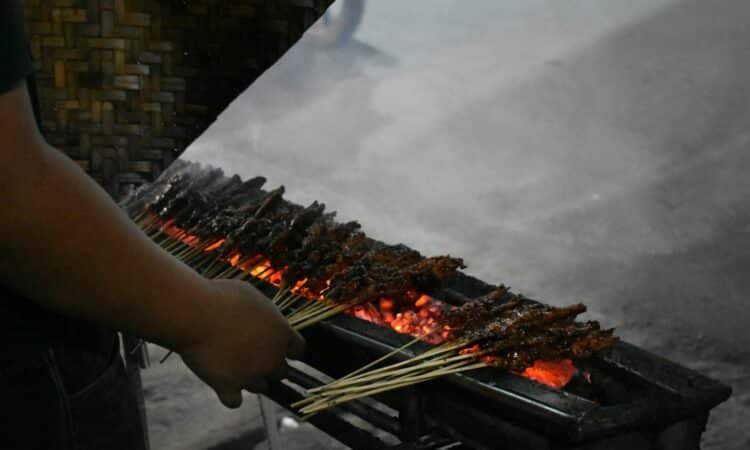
[509,335]
[368,280]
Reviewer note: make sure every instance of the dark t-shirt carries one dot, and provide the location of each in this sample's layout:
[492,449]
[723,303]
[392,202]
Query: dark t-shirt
[20,321]
[24,326]
[15,59]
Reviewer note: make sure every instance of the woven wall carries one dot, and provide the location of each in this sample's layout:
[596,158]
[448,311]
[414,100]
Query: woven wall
[126,85]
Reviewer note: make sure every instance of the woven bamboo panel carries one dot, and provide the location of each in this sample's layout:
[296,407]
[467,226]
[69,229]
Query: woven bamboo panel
[126,85]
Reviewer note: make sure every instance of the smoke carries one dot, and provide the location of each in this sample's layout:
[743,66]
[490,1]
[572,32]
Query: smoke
[589,151]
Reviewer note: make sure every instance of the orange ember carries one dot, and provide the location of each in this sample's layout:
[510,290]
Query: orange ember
[299,286]
[472,349]
[215,245]
[556,374]
[423,300]
[423,319]
[261,268]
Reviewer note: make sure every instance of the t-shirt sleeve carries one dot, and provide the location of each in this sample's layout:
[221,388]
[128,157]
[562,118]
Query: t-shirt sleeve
[15,59]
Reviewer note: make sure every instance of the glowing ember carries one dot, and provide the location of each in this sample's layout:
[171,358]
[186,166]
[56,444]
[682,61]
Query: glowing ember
[179,233]
[260,269]
[299,285]
[556,374]
[275,278]
[472,349]
[250,263]
[423,321]
[215,245]
[234,260]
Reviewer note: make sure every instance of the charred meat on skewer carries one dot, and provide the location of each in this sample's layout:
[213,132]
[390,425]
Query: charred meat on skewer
[514,333]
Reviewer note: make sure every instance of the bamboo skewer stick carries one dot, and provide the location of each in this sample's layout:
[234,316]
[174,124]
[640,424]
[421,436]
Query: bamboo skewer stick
[281,300]
[197,260]
[286,305]
[390,372]
[379,388]
[242,275]
[258,276]
[392,384]
[150,230]
[171,240]
[263,276]
[173,244]
[358,371]
[218,269]
[307,310]
[385,371]
[310,310]
[159,229]
[424,367]
[280,293]
[170,246]
[437,366]
[140,215]
[228,272]
[147,222]
[237,269]
[314,320]
[210,266]
[422,356]
[330,402]
[187,252]
[290,301]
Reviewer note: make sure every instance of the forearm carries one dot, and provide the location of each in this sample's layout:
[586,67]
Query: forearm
[67,246]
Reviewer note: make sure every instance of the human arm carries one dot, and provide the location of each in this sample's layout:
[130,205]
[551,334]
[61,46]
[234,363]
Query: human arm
[67,246]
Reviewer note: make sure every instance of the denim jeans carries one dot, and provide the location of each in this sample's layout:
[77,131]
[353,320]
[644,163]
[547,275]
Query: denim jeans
[51,400]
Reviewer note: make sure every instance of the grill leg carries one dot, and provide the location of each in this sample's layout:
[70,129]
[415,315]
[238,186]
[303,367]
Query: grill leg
[411,416]
[271,420]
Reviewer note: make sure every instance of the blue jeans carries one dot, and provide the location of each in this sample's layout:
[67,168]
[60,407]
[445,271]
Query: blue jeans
[67,399]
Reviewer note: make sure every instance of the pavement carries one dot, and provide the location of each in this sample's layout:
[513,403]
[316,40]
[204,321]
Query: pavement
[185,414]
[593,151]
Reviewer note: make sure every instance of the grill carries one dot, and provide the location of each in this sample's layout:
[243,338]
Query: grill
[634,400]
[621,398]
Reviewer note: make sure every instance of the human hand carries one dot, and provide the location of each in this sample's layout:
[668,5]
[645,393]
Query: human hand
[244,343]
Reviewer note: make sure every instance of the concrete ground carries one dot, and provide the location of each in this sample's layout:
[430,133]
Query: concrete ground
[184,414]
[594,151]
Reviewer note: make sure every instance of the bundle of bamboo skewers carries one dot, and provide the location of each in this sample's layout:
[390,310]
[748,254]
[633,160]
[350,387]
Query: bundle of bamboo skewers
[497,330]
